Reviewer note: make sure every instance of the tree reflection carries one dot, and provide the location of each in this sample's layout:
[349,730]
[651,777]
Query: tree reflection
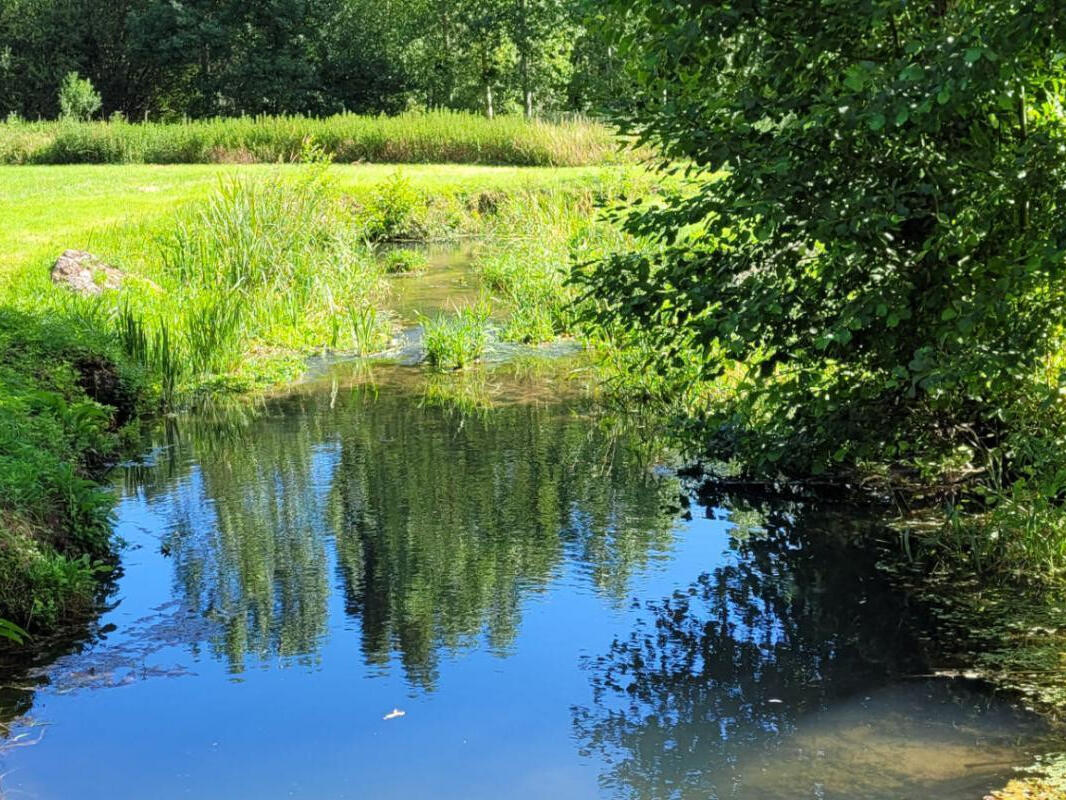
[435,524]
[726,667]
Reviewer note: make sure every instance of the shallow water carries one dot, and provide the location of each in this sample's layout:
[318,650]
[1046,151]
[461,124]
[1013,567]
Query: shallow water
[448,282]
[518,580]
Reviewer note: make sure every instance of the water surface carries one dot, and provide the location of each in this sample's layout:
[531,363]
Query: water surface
[517,578]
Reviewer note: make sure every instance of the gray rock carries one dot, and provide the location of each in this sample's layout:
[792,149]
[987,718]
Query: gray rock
[84,273]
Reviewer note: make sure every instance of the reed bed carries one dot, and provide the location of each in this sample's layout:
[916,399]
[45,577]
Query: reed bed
[430,137]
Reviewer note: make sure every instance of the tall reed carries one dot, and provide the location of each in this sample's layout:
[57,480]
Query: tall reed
[260,266]
[430,137]
[454,341]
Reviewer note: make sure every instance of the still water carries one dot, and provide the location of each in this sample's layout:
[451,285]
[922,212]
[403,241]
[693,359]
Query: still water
[373,590]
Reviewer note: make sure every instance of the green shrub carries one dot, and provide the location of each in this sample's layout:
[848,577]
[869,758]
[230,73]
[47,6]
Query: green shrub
[874,233]
[78,100]
[390,210]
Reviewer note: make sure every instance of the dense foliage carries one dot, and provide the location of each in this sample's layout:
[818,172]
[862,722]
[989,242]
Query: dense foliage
[163,59]
[874,231]
[62,401]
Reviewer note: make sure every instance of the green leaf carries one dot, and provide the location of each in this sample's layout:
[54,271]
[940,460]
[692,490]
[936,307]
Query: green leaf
[9,630]
[973,54]
[911,73]
[855,80]
[877,122]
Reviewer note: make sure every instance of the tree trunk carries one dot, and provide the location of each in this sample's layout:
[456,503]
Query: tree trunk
[523,52]
[488,100]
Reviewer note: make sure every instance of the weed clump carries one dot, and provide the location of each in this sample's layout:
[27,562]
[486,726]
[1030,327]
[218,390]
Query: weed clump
[403,261]
[391,211]
[454,341]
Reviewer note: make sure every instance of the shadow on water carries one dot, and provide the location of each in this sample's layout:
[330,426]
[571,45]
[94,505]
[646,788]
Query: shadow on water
[456,536]
[795,670]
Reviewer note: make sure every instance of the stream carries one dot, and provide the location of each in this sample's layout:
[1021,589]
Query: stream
[372,587]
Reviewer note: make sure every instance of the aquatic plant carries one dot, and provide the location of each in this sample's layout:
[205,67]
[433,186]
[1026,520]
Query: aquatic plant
[404,260]
[454,341]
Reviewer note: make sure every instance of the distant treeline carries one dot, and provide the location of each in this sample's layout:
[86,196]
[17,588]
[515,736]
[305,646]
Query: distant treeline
[170,59]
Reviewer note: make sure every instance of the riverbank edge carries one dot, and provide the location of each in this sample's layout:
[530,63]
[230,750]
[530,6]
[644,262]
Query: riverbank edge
[112,433]
[73,389]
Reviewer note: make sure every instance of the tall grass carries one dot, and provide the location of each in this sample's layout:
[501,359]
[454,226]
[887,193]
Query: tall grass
[434,137]
[259,267]
[529,274]
[454,341]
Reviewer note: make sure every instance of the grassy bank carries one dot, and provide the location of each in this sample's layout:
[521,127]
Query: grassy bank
[65,398]
[233,276]
[435,137]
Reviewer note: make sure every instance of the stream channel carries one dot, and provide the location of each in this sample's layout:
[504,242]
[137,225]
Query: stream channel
[387,583]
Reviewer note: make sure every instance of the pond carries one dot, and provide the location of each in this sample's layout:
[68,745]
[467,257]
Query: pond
[364,589]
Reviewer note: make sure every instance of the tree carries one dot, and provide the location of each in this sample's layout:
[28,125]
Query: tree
[486,46]
[877,221]
[78,100]
[543,32]
[364,64]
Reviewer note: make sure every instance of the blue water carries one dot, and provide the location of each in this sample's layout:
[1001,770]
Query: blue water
[293,576]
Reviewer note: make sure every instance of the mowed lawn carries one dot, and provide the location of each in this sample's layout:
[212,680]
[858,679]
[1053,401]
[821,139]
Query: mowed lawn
[47,209]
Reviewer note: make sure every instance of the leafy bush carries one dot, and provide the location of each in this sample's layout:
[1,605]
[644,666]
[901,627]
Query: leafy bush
[391,209]
[874,226]
[78,100]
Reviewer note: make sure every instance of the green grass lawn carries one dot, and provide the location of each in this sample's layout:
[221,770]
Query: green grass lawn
[46,209]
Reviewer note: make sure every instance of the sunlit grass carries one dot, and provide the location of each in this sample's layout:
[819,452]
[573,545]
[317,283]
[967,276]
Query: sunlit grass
[455,341]
[432,137]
